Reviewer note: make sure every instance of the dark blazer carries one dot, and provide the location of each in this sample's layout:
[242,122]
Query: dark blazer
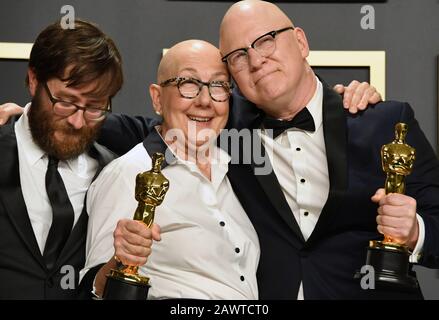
[336,249]
[23,273]
[120,133]
[327,262]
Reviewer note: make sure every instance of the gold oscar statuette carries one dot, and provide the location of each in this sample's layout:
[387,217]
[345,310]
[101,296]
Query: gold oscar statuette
[390,259]
[125,283]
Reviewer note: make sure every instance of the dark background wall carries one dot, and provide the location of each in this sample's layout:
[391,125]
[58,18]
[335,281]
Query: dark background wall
[406,29]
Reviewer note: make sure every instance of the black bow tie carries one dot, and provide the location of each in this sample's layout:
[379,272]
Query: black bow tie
[303,120]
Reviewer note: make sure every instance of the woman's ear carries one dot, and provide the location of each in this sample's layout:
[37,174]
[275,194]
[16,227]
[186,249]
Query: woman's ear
[155,91]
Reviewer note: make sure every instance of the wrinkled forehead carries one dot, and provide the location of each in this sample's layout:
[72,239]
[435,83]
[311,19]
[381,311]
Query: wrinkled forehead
[204,64]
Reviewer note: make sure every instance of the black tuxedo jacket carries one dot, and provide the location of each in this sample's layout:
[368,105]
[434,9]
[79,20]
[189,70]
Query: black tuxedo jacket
[23,273]
[327,262]
[336,249]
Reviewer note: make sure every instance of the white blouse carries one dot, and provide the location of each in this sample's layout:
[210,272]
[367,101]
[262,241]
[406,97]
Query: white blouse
[209,248]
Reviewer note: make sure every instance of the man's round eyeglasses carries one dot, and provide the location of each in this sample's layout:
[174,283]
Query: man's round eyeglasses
[66,109]
[264,45]
[190,88]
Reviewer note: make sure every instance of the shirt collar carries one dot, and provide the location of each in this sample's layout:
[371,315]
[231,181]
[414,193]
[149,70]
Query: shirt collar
[154,143]
[22,130]
[219,161]
[315,105]
[219,166]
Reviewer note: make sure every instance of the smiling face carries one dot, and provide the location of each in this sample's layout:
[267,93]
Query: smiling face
[272,80]
[200,115]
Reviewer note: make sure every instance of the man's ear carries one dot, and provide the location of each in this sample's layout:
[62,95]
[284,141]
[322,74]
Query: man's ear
[302,41]
[155,91]
[33,82]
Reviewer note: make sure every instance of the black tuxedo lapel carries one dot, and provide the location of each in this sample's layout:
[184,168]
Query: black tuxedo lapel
[75,241]
[78,234]
[335,133]
[248,116]
[10,191]
[272,188]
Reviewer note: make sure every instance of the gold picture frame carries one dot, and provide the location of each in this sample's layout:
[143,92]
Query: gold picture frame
[15,50]
[374,60]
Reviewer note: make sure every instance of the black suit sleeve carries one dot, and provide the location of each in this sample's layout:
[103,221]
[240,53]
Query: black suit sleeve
[120,132]
[86,286]
[423,185]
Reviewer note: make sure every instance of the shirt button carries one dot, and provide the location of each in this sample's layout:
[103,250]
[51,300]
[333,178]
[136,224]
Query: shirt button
[237,250]
[298,149]
[306,213]
[302,180]
[222,223]
[242,278]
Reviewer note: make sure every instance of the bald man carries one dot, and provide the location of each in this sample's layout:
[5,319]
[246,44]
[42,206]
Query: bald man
[209,248]
[313,213]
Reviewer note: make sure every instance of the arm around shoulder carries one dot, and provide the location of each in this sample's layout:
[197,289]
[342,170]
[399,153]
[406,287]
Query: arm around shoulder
[121,132]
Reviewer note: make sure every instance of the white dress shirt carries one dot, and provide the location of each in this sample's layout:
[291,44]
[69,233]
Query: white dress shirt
[305,186]
[77,175]
[209,248]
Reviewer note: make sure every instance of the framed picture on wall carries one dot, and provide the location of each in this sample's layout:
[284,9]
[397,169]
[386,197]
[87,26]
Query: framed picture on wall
[15,50]
[13,66]
[344,66]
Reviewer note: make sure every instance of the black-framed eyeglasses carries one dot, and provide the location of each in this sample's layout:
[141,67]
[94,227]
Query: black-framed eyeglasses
[190,88]
[66,109]
[264,45]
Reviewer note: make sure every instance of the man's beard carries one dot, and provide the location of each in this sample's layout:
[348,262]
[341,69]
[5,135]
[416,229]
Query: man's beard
[43,127]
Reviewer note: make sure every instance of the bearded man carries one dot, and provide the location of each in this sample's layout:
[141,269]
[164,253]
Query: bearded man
[49,160]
